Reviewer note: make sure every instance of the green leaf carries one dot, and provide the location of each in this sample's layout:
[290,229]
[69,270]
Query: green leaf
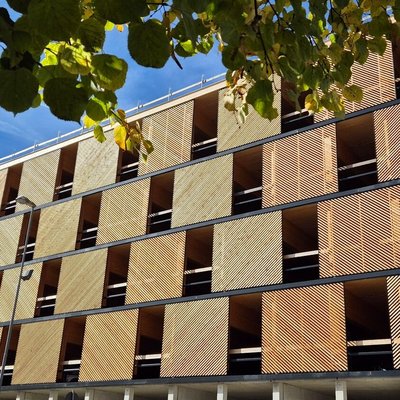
[92,34]
[96,110]
[65,99]
[121,11]
[261,97]
[75,60]
[99,134]
[353,93]
[148,146]
[19,5]
[377,45]
[18,89]
[109,71]
[232,57]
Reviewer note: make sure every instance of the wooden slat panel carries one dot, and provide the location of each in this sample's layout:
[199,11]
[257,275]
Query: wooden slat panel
[10,229]
[239,262]
[393,287]
[231,134]
[38,179]
[359,233]
[170,131]
[27,296]
[156,268]
[3,179]
[123,212]
[96,164]
[195,341]
[81,282]
[109,346]
[38,352]
[387,139]
[58,228]
[300,166]
[203,191]
[303,330]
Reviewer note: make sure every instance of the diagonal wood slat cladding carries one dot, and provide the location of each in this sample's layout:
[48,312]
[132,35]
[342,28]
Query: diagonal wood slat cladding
[303,330]
[123,212]
[38,179]
[359,233]
[3,180]
[203,191]
[27,296]
[247,252]
[96,164]
[387,140]
[300,166]
[156,268]
[10,229]
[170,131]
[393,288]
[38,352]
[81,282]
[58,228]
[109,346]
[195,341]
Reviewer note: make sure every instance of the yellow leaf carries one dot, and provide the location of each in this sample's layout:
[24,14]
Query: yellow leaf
[120,136]
[120,27]
[88,122]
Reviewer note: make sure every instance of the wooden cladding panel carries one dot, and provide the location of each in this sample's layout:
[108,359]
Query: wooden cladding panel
[156,268]
[359,233]
[109,346]
[3,179]
[195,341]
[38,352]
[239,261]
[170,131]
[10,229]
[96,164]
[387,139]
[300,166]
[27,296]
[81,281]
[203,191]
[123,212]
[38,179]
[58,228]
[393,287]
[303,330]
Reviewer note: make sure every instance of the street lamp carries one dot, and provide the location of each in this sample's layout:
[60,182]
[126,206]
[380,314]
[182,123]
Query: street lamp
[23,275]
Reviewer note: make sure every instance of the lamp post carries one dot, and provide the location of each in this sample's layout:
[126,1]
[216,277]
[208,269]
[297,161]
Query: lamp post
[21,200]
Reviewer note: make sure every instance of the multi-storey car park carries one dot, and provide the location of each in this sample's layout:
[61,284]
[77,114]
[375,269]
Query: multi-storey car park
[240,262]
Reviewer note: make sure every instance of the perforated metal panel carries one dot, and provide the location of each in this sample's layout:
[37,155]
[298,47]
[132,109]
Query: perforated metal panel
[393,287]
[10,229]
[240,261]
[195,341]
[109,346]
[303,330]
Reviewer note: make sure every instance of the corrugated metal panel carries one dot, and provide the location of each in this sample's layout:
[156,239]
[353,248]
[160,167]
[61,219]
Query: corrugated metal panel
[81,282]
[38,179]
[156,268]
[231,134]
[300,166]
[195,341]
[109,346]
[170,131]
[58,228]
[27,296]
[239,261]
[123,212]
[203,191]
[387,139]
[10,229]
[3,179]
[96,164]
[359,233]
[303,330]
[393,287]
[38,352]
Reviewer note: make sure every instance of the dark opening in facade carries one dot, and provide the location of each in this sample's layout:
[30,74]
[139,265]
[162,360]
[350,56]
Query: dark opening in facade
[65,175]
[8,203]
[10,361]
[128,165]
[89,221]
[30,247]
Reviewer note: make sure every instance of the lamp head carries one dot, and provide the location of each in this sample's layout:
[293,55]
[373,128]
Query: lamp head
[25,201]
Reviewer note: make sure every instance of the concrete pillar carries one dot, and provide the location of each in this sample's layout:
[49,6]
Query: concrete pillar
[222,392]
[173,392]
[53,395]
[129,394]
[277,391]
[340,390]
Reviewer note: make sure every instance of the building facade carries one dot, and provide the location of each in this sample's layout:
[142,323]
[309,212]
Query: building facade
[240,262]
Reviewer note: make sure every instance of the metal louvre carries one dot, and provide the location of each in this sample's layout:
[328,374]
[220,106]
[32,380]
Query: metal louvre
[387,139]
[10,229]
[81,282]
[240,261]
[300,166]
[359,233]
[109,346]
[123,212]
[170,131]
[195,341]
[58,228]
[303,330]
[393,287]
[156,268]
[38,352]
[203,191]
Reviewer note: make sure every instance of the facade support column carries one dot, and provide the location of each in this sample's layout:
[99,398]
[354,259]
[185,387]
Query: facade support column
[89,394]
[129,394]
[173,392]
[53,395]
[277,391]
[222,392]
[340,390]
